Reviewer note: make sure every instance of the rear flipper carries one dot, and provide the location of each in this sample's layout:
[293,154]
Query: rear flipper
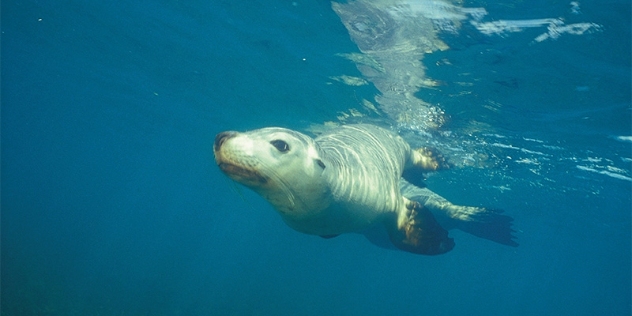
[418,232]
[490,225]
[480,222]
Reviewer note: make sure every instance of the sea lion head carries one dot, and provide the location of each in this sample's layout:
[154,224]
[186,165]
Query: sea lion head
[283,166]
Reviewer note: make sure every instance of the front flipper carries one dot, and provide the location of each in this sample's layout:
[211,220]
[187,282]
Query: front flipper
[418,232]
[423,160]
[482,222]
[429,159]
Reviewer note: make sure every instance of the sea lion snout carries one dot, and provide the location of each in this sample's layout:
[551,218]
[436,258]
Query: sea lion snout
[235,163]
[221,138]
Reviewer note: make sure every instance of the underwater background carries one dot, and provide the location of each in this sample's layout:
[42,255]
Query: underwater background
[112,203]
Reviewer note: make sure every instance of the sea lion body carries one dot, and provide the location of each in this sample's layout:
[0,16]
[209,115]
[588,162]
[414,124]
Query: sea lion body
[361,181]
[346,180]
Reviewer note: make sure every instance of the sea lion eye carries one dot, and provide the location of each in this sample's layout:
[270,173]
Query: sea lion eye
[280,145]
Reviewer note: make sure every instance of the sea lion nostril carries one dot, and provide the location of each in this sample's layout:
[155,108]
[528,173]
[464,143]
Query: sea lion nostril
[222,137]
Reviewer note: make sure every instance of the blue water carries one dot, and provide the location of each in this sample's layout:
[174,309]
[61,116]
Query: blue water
[112,203]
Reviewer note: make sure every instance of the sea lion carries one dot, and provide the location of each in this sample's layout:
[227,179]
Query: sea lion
[348,179]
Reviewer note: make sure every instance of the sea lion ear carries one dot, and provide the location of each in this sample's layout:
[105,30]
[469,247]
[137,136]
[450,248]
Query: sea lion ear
[320,163]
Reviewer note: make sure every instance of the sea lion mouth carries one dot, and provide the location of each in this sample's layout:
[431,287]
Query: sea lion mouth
[241,174]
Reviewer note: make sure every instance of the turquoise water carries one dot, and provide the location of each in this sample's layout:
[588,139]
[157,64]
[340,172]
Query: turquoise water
[112,203]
